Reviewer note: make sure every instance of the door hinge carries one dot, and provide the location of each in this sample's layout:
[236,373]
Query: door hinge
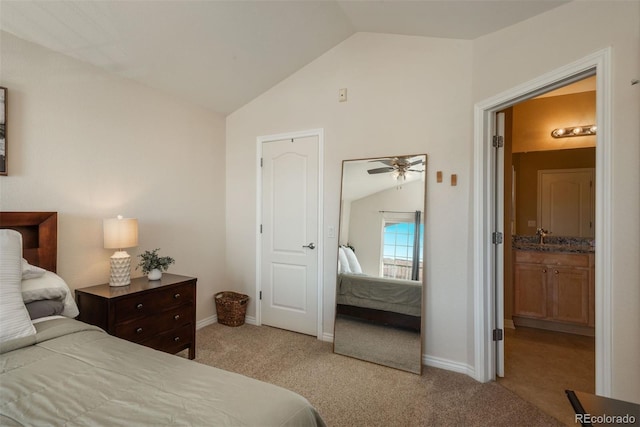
[260,296]
[497,335]
[261,161]
[260,228]
[498,141]
[496,238]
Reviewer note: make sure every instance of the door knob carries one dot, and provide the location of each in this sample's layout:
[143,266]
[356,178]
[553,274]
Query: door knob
[310,246]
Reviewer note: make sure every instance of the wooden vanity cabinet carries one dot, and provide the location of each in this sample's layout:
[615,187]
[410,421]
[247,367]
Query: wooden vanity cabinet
[570,294]
[554,291]
[531,289]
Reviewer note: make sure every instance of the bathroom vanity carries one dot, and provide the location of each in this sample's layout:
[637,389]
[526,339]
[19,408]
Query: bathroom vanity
[554,286]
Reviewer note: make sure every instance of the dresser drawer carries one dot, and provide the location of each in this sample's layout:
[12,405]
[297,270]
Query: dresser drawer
[142,328]
[173,341]
[148,304]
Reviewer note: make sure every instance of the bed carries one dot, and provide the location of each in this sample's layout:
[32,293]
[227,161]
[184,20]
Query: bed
[381,300]
[58,371]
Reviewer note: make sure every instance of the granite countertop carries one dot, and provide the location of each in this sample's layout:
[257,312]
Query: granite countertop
[578,245]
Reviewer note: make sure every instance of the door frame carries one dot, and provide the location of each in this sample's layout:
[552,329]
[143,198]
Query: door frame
[598,63]
[319,133]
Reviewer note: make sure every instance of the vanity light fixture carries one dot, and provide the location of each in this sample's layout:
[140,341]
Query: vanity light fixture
[120,233]
[574,131]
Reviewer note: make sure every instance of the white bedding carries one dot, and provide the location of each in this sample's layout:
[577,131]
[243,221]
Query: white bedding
[14,318]
[50,286]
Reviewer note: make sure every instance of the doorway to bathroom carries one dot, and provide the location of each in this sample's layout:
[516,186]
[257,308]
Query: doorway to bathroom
[549,144]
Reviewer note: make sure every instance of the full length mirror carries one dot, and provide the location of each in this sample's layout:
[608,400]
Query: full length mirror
[379,290]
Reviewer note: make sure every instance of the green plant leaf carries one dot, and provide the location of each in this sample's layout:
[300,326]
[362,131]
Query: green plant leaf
[150,260]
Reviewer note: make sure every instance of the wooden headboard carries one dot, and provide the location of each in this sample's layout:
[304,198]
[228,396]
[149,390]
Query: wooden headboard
[39,236]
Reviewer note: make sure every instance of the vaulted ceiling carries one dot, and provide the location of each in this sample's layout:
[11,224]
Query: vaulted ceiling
[222,54]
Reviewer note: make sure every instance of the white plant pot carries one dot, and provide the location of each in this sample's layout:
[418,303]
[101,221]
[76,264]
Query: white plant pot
[155,274]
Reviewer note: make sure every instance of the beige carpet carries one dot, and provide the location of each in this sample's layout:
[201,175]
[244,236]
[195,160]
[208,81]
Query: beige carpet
[350,392]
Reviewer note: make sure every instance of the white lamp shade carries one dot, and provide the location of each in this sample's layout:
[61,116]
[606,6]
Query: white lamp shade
[120,233]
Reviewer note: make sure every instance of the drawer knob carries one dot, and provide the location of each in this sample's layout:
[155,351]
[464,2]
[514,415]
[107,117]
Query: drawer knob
[544,270]
[139,306]
[176,296]
[176,339]
[556,272]
[176,317]
[139,331]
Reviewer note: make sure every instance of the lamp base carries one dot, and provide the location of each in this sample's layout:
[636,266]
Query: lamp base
[120,269]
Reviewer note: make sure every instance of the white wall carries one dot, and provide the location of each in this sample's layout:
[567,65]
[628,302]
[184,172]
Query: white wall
[540,45]
[405,95]
[90,145]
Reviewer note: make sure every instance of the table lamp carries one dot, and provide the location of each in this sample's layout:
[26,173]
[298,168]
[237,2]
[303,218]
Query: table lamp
[120,233]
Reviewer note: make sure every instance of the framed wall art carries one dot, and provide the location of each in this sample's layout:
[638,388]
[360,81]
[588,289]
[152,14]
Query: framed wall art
[3,130]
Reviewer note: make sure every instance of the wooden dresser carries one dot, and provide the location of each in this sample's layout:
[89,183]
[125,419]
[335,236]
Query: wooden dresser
[160,314]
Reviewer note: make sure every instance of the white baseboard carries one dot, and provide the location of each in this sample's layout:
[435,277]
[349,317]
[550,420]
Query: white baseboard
[206,321]
[327,337]
[214,319]
[437,362]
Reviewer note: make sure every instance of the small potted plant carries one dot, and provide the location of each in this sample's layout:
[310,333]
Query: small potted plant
[153,265]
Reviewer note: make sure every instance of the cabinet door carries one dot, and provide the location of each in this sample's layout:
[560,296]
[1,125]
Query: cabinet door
[530,293]
[570,294]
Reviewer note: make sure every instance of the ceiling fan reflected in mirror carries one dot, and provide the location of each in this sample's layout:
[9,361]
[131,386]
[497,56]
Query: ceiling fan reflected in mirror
[398,167]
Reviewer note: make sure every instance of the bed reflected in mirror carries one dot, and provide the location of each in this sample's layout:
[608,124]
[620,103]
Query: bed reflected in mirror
[379,290]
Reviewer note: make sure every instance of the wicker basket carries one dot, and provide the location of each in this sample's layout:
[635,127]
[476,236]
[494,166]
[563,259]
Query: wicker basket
[231,307]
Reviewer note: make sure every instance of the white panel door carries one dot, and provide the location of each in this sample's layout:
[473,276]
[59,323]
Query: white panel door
[289,267]
[565,202]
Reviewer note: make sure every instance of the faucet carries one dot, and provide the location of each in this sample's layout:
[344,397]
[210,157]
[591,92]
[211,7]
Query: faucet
[542,233]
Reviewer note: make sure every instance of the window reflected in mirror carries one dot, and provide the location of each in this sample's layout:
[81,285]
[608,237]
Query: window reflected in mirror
[402,246]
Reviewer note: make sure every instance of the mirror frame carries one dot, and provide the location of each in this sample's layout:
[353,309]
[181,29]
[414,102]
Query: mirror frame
[424,255]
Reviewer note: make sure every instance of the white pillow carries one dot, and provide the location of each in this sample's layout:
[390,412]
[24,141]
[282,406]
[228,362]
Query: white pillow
[354,265]
[31,271]
[14,317]
[50,286]
[343,263]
